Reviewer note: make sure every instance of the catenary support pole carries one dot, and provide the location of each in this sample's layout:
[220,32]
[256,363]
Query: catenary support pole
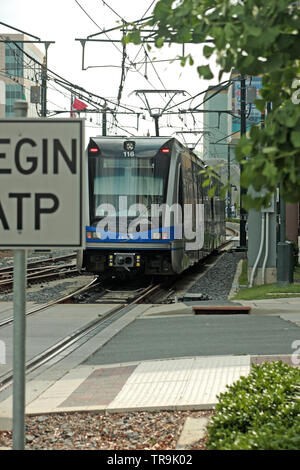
[104,121]
[156,121]
[44,82]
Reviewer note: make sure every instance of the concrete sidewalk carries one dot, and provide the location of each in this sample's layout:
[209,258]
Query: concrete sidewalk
[173,384]
[177,383]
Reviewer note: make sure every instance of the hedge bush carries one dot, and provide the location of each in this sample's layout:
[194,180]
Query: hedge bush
[259,412]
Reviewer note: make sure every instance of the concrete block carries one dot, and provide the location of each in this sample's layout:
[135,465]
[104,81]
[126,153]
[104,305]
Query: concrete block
[193,430]
[5,423]
[270,276]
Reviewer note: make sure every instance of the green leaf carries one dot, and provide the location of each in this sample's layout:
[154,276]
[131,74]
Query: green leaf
[229,31]
[211,191]
[255,133]
[268,150]
[208,51]
[260,105]
[159,42]
[253,30]
[270,171]
[205,72]
[291,120]
[246,149]
[295,138]
[206,183]
[135,37]
[271,129]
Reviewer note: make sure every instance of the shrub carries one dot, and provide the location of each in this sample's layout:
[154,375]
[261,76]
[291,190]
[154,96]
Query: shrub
[260,411]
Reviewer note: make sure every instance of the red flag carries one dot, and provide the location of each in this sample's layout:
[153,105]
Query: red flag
[79,105]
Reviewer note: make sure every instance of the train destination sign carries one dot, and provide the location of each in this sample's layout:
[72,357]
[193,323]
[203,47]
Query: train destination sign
[41,183]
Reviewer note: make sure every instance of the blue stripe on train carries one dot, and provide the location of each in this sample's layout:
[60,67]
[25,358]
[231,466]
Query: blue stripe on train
[144,248]
[137,237]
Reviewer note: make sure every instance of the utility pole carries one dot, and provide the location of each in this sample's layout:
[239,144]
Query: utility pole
[243,213]
[44,82]
[104,121]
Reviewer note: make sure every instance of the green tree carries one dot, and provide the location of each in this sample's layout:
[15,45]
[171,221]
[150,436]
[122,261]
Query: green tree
[255,37]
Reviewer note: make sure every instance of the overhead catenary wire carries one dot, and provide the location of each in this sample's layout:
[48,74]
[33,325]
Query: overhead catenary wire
[61,80]
[131,64]
[82,91]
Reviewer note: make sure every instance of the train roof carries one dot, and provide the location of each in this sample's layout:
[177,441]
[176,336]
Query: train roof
[143,145]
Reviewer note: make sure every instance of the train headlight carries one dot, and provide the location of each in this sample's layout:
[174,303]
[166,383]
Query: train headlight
[155,235]
[165,235]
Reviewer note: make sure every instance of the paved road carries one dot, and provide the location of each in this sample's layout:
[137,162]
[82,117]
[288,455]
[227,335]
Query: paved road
[183,336]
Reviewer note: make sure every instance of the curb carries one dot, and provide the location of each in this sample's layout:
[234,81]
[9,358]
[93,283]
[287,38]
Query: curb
[194,429]
[235,283]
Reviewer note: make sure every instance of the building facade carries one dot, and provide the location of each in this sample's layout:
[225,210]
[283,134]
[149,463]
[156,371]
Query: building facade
[215,124]
[253,115]
[217,147]
[18,73]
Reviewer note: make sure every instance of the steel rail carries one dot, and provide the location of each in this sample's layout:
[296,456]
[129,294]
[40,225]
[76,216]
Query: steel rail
[71,340]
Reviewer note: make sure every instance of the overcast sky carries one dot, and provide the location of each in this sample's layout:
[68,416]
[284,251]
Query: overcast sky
[63,21]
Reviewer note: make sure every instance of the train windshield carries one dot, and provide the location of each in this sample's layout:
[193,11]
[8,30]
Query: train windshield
[140,180]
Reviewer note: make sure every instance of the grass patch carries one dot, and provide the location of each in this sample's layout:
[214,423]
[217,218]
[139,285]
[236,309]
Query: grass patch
[268,291]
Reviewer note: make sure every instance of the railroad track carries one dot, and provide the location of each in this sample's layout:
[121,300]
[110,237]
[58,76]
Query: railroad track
[63,299]
[125,299]
[40,270]
[68,344]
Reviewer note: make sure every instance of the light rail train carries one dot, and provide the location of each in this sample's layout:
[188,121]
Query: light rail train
[147,208]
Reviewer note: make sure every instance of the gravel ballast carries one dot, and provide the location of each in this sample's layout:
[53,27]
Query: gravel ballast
[216,283]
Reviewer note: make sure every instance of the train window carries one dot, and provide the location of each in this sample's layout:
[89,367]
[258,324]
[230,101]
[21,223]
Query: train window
[140,180]
[180,189]
[142,171]
[114,172]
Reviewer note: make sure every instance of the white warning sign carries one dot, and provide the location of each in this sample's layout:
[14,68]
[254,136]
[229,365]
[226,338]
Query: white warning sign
[41,183]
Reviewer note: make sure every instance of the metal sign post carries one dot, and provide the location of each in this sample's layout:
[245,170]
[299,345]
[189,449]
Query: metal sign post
[41,206]
[19,335]
[19,349]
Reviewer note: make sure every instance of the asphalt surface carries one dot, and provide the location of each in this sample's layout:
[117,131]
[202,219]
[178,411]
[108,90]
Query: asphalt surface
[184,336]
